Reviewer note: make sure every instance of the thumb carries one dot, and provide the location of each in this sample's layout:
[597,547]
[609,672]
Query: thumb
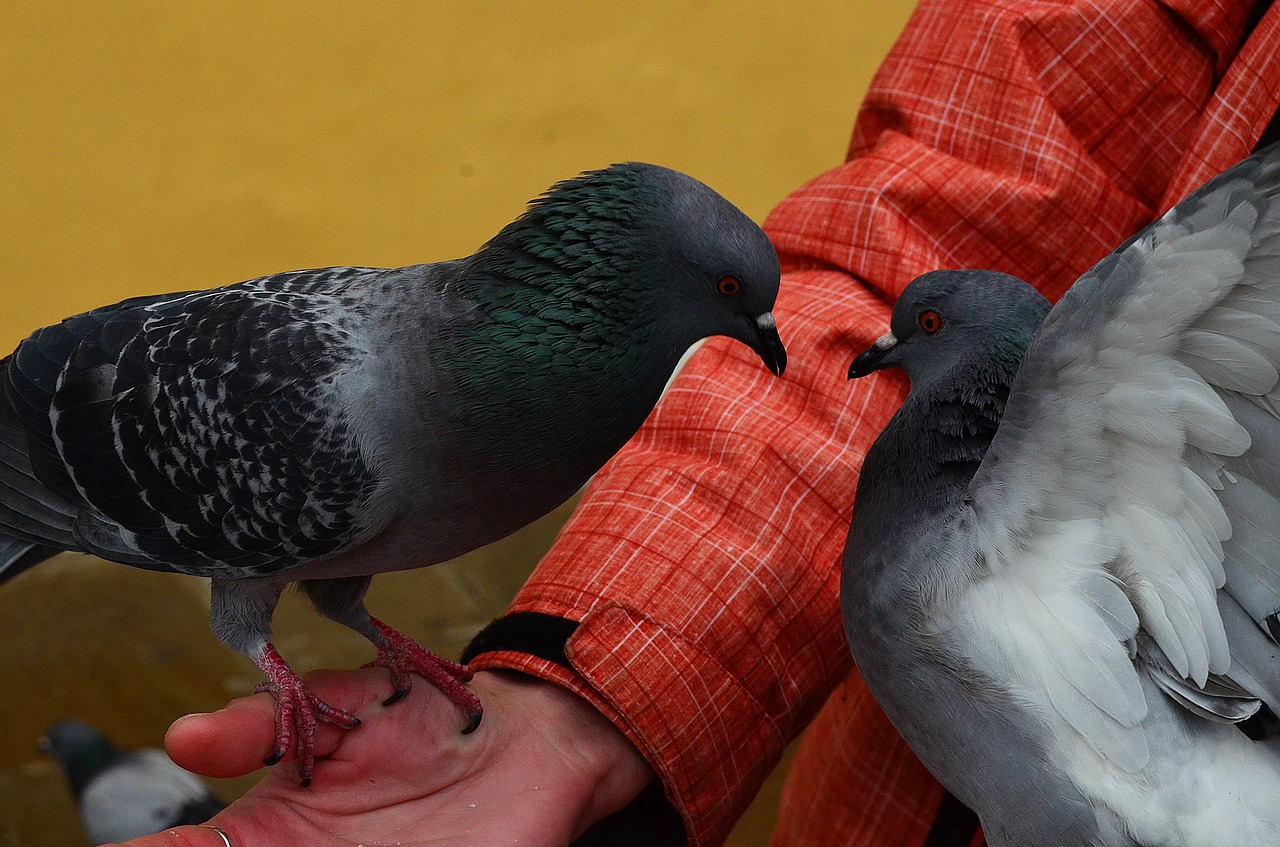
[205,835]
[229,742]
[234,740]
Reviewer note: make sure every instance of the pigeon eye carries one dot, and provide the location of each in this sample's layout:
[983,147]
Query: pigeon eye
[729,285]
[930,321]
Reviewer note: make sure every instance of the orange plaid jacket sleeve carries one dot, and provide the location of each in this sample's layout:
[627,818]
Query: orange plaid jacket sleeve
[699,575]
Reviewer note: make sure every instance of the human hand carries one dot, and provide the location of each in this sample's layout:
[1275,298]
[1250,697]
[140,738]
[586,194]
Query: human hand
[542,767]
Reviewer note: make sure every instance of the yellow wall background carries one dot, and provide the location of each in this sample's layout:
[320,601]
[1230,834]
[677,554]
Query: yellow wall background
[153,146]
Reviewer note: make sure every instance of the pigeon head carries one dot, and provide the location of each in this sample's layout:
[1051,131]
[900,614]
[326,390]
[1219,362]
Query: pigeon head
[943,319]
[83,751]
[636,243]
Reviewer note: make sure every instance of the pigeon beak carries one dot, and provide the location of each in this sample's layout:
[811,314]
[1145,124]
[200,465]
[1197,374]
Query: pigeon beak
[872,359]
[770,346]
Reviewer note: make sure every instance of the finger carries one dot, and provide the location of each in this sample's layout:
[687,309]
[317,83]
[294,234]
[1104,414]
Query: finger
[227,743]
[184,836]
[234,740]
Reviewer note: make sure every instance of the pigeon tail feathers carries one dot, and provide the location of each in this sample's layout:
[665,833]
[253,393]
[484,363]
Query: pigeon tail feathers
[17,556]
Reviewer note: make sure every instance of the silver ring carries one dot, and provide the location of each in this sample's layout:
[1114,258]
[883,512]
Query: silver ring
[226,839]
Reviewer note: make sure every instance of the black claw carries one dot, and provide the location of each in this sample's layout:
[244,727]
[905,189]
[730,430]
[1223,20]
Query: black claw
[305,782]
[398,695]
[274,758]
[473,722]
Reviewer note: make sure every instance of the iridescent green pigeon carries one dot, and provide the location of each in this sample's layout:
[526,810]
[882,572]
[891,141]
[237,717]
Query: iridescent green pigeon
[323,426]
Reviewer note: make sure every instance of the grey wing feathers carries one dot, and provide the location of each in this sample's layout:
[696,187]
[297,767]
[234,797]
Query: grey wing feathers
[34,522]
[1164,360]
[28,510]
[1234,346]
[198,430]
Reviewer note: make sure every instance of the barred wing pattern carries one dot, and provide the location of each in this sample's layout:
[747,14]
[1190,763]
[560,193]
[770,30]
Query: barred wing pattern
[202,431]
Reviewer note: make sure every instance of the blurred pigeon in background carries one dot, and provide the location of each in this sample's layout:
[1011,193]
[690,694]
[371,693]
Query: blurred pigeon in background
[1067,604]
[327,425]
[123,795]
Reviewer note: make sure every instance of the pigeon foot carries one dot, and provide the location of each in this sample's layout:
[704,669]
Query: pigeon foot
[401,655]
[297,710]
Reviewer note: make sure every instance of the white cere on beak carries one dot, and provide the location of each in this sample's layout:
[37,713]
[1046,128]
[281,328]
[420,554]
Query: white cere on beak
[886,341]
[766,322]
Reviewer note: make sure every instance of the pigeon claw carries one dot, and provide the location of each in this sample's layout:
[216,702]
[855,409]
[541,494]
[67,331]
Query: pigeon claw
[297,710]
[402,656]
[398,694]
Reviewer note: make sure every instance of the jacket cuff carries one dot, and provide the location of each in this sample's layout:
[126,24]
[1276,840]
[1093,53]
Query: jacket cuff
[674,707]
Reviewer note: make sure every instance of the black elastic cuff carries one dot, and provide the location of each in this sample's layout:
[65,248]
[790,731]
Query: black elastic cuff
[534,633]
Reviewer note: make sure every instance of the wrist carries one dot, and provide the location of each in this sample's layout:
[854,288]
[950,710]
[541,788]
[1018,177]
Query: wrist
[608,770]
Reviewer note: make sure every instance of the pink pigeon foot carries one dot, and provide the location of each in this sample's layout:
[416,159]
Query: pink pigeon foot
[401,655]
[297,711]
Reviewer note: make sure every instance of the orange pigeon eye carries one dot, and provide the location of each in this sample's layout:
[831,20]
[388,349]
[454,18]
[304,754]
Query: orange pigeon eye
[729,285]
[930,321]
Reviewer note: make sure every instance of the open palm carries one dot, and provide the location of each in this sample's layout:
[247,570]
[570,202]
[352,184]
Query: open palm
[541,768]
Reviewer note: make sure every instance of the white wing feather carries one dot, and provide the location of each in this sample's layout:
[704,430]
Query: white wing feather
[1115,475]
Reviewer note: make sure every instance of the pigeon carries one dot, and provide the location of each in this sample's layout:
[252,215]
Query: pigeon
[123,795]
[1062,576]
[322,426]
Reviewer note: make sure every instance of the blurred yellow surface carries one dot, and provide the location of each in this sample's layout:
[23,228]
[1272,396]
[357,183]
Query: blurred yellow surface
[158,146]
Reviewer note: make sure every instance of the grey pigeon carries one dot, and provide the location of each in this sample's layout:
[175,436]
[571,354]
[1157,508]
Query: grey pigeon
[125,794]
[322,426]
[1062,577]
